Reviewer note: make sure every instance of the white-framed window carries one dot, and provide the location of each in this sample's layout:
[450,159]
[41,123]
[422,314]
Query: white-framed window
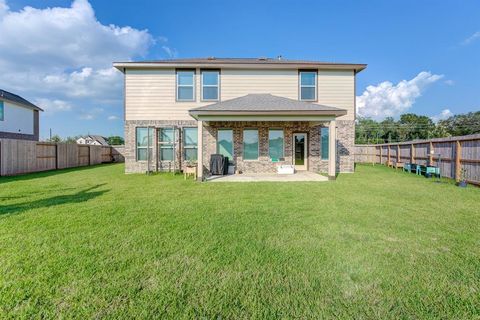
[275,144]
[185,85]
[308,85]
[190,143]
[210,85]
[144,143]
[166,139]
[250,144]
[225,143]
[324,133]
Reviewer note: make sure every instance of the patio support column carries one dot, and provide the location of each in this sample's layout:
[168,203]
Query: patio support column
[332,150]
[200,150]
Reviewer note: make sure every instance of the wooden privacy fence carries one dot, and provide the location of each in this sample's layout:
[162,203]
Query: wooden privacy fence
[450,154]
[21,156]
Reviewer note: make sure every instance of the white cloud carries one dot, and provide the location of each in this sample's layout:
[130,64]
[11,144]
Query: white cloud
[53,106]
[472,38]
[67,38]
[171,52]
[87,83]
[445,114]
[449,82]
[112,118]
[389,100]
[90,114]
[62,57]
[3,8]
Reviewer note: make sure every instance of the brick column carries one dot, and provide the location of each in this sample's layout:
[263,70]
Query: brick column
[200,151]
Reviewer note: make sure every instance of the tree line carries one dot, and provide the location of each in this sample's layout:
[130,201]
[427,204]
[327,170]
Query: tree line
[112,140]
[413,127]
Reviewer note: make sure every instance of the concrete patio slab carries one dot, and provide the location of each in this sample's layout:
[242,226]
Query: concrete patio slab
[270,177]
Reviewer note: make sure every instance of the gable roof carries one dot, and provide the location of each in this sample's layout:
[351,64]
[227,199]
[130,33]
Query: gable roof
[8,96]
[266,104]
[279,63]
[100,139]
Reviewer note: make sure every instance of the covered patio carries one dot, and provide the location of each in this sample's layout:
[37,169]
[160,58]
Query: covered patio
[303,128]
[269,177]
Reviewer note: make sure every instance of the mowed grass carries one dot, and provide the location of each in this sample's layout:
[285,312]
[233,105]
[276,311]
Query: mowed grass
[95,243]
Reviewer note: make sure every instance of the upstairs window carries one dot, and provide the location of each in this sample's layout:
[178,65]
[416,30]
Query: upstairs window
[185,85]
[210,85]
[308,85]
[2,111]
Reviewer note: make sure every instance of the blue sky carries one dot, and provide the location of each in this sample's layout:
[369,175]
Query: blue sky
[422,56]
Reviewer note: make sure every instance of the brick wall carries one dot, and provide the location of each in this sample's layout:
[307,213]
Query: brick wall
[133,166]
[345,145]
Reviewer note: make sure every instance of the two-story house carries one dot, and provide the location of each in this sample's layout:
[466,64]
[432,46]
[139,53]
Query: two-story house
[257,112]
[19,118]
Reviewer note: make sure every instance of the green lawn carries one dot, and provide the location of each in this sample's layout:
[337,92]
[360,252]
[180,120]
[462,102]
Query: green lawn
[95,243]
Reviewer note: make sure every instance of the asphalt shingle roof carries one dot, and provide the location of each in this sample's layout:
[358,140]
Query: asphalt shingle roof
[5,95]
[267,103]
[102,140]
[254,62]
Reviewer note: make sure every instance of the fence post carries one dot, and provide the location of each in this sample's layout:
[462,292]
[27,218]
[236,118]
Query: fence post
[89,156]
[381,147]
[412,153]
[388,155]
[458,165]
[398,153]
[56,156]
[430,154]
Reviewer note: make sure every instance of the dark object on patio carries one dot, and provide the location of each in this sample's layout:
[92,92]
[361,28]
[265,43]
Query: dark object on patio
[225,165]
[218,164]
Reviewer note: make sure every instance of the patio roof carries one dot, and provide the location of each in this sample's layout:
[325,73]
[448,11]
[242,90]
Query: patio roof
[266,106]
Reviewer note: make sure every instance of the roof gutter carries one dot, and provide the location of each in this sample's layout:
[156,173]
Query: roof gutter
[335,113]
[121,66]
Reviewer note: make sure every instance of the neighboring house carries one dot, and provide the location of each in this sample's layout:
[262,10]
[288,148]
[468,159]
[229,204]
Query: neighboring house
[258,112]
[93,140]
[19,118]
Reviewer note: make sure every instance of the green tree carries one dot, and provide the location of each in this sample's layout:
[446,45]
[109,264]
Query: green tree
[72,139]
[412,126]
[462,124]
[115,140]
[55,138]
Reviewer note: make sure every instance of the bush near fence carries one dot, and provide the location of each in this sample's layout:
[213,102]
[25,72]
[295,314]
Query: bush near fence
[452,154]
[21,156]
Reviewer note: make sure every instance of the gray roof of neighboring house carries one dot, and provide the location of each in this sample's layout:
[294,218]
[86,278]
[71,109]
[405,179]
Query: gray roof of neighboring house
[266,103]
[100,139]
[8,96]
[254,62]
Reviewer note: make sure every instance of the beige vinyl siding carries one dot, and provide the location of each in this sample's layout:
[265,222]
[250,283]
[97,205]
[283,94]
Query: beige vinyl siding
[336,88]
[236,83]
[150,93]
